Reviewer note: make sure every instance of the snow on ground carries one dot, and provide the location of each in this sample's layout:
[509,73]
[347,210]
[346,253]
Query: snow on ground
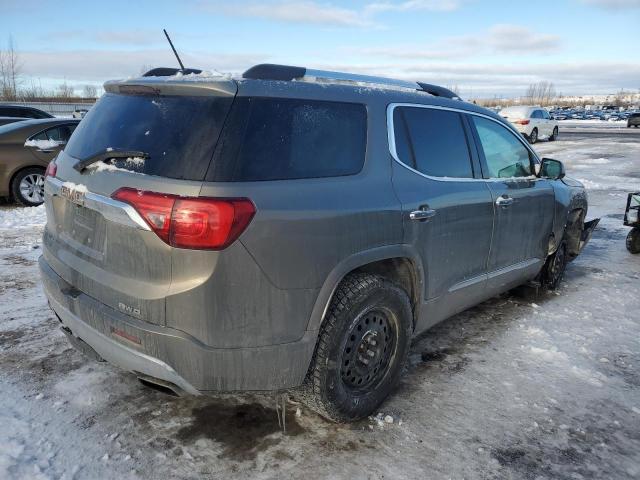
[522,386]
[22,218]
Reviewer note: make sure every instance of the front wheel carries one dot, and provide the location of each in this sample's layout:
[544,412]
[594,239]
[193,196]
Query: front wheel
[533,136]
[362,346]
[27,187]
[554,135]
[633,240]
[554,268]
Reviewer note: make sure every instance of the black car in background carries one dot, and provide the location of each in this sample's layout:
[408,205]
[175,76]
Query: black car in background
[5,120]
[633,120]
[22,111]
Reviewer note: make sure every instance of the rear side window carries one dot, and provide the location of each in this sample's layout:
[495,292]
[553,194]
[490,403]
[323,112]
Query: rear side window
[432,141]
[282,139]
[61,133]
[12,112]
[179,133]
[536,114]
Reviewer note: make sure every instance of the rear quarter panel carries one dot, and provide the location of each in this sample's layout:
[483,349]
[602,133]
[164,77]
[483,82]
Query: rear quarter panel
[304,229]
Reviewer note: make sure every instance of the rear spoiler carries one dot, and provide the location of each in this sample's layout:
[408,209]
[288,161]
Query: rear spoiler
[189,84]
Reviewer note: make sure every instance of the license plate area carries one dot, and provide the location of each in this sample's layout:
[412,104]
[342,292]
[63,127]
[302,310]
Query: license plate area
[81,228]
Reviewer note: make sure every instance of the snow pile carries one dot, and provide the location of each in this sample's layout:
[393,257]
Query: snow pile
[382,419]
[42,144]
[78,187]
[132,162]
[204,76]
[22,217]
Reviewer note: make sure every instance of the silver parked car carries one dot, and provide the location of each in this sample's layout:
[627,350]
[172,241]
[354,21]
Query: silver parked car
[292,229]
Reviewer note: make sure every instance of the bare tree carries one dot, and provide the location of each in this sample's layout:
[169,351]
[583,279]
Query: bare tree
[10,71]
[89,91]
[64,90]
[541,93]
[34,92]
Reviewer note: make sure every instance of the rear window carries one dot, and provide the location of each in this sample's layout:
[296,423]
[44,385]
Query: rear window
[178,133]
[283,139]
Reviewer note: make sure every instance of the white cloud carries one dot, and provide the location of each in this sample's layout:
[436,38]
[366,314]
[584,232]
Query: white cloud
[473,78]
[498,39]
[307,12]
[507,38]
[409,5]
[108,37]
[614,4]
[484,79]
[102,65]
[291,11]
[312,12]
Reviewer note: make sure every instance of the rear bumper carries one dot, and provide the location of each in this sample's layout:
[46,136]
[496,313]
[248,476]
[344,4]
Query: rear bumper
[171,355]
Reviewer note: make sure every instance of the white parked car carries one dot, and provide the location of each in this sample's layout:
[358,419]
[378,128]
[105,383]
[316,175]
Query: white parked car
[533,122]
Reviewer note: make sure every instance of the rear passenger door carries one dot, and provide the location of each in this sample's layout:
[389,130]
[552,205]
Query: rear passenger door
[524,204]
[538,122]
[548,123]
[57,137]
[447,208]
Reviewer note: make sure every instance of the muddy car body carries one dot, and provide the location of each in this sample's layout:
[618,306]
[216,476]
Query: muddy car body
[341,243]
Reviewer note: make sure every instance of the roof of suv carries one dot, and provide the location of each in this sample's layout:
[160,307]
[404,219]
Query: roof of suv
[290,81]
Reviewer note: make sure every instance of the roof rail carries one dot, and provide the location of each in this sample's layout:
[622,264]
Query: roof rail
[269,71]
[438,91]
[169,71]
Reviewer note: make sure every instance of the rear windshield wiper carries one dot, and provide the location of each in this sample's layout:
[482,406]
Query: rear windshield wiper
[107,155]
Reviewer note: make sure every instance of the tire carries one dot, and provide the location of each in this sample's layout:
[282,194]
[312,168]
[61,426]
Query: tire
[27,187]
[554,268]
[633,240]
[369,319]
[554,135]
[533,136]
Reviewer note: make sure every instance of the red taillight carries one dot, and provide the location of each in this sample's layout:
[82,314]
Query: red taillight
[52,169]
[524,121]
[191,222]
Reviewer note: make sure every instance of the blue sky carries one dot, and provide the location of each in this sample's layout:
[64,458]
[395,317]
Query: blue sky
[484,48]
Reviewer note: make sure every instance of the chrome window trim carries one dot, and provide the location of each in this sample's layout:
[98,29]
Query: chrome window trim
[394,154]
[114,210]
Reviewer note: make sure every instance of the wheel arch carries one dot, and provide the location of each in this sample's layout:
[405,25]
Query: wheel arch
[400,263]
[13,174]
[573,229]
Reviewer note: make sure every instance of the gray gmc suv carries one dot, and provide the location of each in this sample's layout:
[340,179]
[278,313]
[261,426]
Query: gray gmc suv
[292,229]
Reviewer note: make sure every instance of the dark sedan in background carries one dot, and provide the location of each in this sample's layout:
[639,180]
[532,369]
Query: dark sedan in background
[22,111]
[6,120]
[26,148]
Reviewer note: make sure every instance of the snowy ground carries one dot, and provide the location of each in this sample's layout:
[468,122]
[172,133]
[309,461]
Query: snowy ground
[518,387]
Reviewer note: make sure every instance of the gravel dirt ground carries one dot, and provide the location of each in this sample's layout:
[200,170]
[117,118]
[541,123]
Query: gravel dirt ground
[522,386]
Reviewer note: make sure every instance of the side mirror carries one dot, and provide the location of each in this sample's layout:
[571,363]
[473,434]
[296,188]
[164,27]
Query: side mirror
[552,169]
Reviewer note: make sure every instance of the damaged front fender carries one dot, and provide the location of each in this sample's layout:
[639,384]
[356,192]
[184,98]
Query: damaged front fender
[587,231]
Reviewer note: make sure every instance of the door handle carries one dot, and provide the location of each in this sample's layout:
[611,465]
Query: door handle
[504,201]
[422,214]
